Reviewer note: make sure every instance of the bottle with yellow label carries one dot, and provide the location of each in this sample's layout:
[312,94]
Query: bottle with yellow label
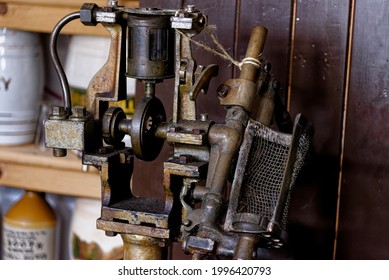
[29,229]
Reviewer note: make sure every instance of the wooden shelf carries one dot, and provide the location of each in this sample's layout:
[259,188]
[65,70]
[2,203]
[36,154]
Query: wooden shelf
[26,166]
[29,168]
[43,15]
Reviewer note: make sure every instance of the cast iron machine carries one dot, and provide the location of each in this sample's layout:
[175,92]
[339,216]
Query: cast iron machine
[199,208]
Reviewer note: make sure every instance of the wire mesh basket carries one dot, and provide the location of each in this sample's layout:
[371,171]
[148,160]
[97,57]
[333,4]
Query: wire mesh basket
[268,165]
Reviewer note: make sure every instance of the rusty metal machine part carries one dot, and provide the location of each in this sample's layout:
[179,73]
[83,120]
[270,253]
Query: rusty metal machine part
[150,58]
[204,153]
[148,116]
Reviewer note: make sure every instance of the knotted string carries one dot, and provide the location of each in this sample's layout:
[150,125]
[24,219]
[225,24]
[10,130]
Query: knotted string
[221,51]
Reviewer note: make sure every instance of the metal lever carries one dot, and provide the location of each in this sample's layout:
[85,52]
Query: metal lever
[203,79]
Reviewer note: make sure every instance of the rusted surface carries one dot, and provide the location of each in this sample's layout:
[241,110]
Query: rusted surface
[242,93]
[65,134]
[138,247]
[194,149]
[191,169]
[111,226]
[107,84]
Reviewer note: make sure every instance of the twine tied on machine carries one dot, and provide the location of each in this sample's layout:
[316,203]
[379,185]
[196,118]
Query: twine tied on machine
[221,51]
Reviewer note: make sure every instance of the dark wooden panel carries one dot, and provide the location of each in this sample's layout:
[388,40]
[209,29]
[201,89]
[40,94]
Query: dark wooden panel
[317,86]
[276,17]
[222,15]
[364,208]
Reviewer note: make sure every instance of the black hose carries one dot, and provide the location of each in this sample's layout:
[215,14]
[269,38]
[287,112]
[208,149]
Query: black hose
[57,63]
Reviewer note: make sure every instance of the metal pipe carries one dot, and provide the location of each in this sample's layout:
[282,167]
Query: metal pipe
[254,50]
[266,105]
[246,247]
[57,63]
[225,143]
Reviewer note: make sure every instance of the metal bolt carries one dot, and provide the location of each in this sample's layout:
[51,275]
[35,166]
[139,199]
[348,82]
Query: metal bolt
[113,3]
[58,111]
[185,159]
[201,20]
[203,117]
[267,67]
[110,233]
[59,152]
[186,222]
[87,14]
[254,254]
[124,158]
[150,89]
[79,111]
[174,129]
[182,74]
[190,8]
[223,90]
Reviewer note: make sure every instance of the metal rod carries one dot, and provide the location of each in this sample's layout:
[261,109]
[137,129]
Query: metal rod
[254,50]
[246,247]
[57,63]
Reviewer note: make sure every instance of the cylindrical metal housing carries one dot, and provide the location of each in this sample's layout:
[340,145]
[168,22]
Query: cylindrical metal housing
[138,247]
[150,46]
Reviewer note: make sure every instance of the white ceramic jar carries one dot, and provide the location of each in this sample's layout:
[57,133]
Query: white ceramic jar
[21,85]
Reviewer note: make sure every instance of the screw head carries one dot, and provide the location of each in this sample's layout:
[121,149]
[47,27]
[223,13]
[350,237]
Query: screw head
[79,111]
[223,90]
[190,8]
[203,117]
[113,3]
[267,67]
[183,159]
[58,152]
[174,129]
[58,111]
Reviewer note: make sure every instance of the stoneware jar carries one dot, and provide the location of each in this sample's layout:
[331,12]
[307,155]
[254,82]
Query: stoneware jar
[21,85]
[29,229]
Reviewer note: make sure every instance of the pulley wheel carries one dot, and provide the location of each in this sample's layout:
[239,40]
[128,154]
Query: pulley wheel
[149,113]
[110,125]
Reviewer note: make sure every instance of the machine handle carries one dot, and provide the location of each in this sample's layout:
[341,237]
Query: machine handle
[254,51]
